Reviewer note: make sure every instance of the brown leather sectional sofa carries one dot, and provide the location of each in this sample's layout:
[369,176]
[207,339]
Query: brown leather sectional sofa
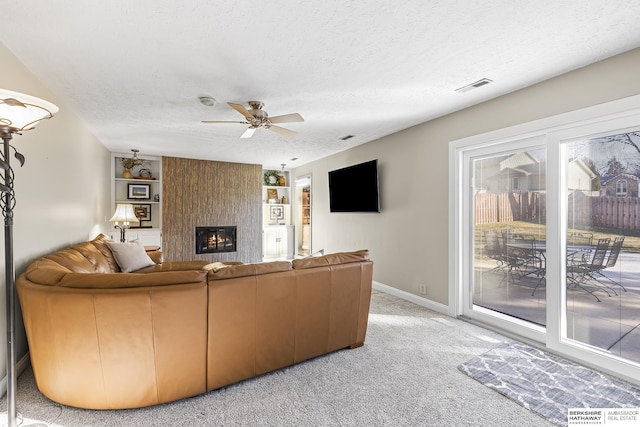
[102,339]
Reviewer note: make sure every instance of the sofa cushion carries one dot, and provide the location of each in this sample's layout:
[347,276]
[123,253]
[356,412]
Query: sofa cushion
[100,243]
[72,259]
[331,259]
[130,256]
[45,271]
[175,266]
[243,270]
[133,280]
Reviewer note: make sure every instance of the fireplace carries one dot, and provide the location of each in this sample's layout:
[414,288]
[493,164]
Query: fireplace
[215,239]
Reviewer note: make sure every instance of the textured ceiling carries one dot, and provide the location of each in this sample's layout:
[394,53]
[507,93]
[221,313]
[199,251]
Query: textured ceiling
[133,70]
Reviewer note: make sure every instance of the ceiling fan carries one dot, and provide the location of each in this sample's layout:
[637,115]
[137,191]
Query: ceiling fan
[256,117]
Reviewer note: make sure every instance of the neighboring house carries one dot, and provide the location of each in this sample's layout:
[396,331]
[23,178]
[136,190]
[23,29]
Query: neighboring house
[622,185]
[579,177]
[518,173]
[523,172]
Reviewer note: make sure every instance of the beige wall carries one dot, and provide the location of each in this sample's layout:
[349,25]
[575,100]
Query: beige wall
[408,240]
[62,192]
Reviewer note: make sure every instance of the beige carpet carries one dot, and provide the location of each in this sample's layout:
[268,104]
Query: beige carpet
[405,375]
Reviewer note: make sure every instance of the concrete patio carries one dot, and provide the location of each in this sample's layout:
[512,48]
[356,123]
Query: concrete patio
[613,324]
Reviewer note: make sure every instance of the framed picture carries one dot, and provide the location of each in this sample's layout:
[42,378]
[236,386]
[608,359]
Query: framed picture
[138,191]
[143,212]
[272,194]
[276,213]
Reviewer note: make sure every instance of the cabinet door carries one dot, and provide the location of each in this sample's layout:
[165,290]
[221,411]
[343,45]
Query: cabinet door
[272,242]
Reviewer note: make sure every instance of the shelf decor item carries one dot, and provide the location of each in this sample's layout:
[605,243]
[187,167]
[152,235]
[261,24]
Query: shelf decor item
[143,212]
[144,173]
[271,178]
[138,191]
[276,213]
[18,113]
[130,163]
[272,195]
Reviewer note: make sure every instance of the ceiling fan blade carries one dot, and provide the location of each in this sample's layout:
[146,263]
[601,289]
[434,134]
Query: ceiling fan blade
[283,131]
[222,121]
[249,132]
[287,118]
[240,109]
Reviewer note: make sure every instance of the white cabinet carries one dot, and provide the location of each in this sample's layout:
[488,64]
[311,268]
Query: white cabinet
[143,189]
[148,237]
[277,242]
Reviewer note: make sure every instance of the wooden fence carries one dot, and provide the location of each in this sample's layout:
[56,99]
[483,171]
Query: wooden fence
[507,207]
[620,213]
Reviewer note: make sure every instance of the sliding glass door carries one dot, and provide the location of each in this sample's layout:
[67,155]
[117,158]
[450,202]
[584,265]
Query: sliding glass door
[506,196]
[546,237]
[603,242]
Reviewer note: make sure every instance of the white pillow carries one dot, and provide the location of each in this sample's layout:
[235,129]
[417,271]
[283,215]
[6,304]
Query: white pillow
[215,266]
[130,256]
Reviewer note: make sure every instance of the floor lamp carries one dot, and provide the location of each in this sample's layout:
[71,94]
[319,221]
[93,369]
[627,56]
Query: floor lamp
[18,113]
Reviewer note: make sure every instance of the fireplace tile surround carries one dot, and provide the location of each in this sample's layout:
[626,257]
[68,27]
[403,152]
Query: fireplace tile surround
[199,193]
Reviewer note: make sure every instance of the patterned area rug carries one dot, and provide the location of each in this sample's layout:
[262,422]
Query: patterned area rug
[547,384]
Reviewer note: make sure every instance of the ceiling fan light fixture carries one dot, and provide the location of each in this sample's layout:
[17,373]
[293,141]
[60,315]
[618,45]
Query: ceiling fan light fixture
[256,117]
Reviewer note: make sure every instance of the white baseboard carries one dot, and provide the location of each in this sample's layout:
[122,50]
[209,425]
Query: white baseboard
[424,302]
[21,365]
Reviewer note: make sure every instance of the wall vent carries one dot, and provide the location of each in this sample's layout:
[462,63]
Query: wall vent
[474,85]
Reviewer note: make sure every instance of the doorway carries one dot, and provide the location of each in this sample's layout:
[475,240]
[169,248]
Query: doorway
[303,216]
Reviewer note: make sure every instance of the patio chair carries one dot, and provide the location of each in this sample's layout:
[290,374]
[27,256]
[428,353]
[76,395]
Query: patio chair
[507,260]
[611,262]
[580,272]
[494,250]
[523,253]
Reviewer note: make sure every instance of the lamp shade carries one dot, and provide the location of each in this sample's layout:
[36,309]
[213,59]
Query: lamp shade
[21,112]
[124,213]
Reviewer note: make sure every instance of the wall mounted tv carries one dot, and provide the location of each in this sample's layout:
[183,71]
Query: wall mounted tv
[354,188]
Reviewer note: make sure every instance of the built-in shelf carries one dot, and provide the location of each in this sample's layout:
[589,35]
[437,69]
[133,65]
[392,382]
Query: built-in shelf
[149,230]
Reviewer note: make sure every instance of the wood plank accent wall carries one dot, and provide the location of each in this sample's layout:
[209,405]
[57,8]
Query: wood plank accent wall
[206,193]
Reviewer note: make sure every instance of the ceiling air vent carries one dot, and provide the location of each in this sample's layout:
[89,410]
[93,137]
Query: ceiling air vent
[474,85]
[344,138]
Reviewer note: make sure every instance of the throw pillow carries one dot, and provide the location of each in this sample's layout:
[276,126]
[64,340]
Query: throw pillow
[130,256]
[215,266]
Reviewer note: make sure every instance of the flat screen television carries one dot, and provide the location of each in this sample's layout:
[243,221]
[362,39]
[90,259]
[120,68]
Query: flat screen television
[354,188]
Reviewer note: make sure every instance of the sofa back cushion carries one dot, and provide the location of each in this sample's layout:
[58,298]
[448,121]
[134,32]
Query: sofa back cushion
[243,270]
[331,259]
[100,243]
[85,257]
